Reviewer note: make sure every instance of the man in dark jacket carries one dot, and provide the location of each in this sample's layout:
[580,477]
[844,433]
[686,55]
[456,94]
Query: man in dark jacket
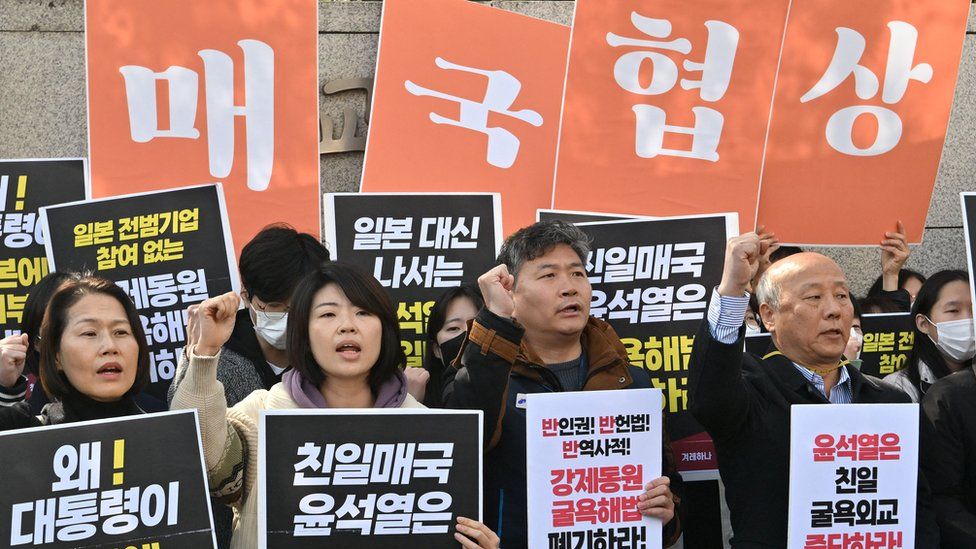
[744,403]
[535,334]
[951,406]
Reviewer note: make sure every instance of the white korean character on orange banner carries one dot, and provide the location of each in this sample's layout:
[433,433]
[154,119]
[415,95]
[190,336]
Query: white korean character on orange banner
[899,71]
[180,96]
[500,93]
[466,99]
[666,106]
[862,104]
[140,89]
[716,71]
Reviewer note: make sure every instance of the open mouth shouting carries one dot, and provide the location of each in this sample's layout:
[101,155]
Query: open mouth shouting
[110,370]
[349,350]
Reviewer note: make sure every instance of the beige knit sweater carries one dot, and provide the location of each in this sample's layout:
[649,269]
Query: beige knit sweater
[230,437]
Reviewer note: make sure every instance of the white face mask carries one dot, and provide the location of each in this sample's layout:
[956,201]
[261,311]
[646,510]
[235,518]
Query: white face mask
[752,330]
[271,327]
[955,339]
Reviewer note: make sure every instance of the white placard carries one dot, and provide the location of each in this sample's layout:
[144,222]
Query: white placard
[589,456]
[853,475]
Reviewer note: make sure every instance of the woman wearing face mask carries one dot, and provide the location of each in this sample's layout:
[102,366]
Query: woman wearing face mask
[343,344]
[93,357]
[944,343]
[446,328]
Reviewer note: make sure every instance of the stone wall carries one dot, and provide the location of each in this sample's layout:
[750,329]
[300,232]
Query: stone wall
[43,107]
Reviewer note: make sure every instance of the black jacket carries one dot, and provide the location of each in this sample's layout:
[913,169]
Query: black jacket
[74,407]
[491,383]
[744,404]
[950,405]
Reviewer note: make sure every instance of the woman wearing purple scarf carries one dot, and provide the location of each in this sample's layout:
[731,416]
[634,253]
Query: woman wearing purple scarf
[343,343]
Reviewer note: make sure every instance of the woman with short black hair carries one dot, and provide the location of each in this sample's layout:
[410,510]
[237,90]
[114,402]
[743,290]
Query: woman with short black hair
[343,344]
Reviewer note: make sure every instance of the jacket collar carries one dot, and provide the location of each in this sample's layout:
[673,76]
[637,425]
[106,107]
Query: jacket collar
[783,368]
[606,359]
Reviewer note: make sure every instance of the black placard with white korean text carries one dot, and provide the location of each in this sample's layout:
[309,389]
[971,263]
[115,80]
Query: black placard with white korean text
[651,281]
[126,482]
[417,246]
[168,250]
[367,479]
[888,342]
[25,187]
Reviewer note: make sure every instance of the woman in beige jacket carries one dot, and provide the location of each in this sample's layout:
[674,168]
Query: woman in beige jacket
[343,343]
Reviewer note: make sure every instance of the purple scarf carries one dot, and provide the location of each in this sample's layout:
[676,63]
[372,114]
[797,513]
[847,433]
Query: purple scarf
[307,395]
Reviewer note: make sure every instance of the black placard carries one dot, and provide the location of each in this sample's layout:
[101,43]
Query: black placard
[319,488]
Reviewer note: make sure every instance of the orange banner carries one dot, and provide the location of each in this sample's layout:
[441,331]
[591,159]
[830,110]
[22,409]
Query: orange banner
[860,115]
[466,99]
[667,106]
[185,92]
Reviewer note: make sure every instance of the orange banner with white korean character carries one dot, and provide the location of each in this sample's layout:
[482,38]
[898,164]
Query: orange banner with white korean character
[860,115]
[185,92]
[466,99]
[666,107]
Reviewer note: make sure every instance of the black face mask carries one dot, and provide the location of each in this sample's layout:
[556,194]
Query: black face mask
[451,348]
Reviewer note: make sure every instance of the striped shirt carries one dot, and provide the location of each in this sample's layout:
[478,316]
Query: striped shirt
[727,314]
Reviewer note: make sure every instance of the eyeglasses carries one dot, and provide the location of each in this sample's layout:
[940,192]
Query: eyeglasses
[277,310]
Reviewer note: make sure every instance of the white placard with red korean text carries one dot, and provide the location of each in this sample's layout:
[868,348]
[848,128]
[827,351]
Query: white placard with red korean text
[853,475]
[590,454]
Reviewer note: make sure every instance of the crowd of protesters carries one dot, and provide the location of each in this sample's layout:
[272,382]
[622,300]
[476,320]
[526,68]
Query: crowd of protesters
[319,334]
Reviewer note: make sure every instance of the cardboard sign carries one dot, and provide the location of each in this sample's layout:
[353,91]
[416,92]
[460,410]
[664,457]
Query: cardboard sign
[888,342]
[25,187]
[371,478]
[136,481]
[861,110]
[589,456]
[168,250]
[667,106]
[466,98]
[652,280]
[853,475]
[183,93]
[417,246]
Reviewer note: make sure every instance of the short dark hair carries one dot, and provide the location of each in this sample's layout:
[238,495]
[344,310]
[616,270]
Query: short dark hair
[275,260]
[363,291]
[30,322]
[538,239]
[904,275]
[70,292]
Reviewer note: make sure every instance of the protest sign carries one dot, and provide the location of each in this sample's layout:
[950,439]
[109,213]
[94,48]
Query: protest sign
[466,98]
[25,187]
[186,93]
[635,141]
[888,342]
[589,456]
[417,245]
[136,481]
[652,280]
[968,201]
[758,344]
[853,475]
[573,216]
[372,478]
[167,250]
[860,114]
